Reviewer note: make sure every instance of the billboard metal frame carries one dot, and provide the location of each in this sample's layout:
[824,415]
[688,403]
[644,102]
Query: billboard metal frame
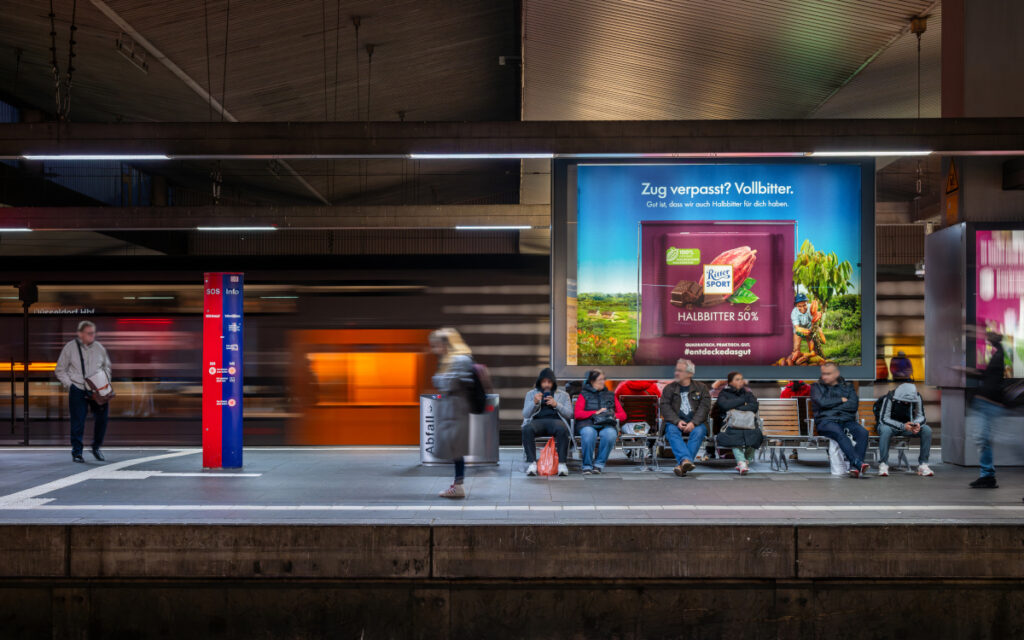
[563,254]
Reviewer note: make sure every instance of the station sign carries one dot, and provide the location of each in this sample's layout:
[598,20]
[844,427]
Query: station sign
[222,370]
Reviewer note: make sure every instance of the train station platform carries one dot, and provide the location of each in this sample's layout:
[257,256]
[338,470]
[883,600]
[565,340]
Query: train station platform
[353,542]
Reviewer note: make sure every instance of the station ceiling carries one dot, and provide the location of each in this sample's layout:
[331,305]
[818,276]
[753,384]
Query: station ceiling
[439,60]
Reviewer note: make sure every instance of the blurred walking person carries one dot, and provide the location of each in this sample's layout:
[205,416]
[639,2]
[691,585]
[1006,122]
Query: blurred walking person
[986,409]
[453,381]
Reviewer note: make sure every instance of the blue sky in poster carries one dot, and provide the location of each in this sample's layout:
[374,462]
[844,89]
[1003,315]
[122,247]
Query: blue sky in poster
[824,200]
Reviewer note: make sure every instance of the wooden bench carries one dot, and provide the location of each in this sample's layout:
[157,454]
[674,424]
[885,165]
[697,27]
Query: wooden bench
[781,427]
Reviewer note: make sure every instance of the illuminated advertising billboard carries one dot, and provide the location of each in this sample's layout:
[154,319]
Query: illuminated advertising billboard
[999,303]
[763,267]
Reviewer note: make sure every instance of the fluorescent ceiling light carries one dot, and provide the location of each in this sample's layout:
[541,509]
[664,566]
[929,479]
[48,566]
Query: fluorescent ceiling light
[236,228]
[479,156]
[99,156]
[840,154]
[499,227]
[14,230]
[723,154]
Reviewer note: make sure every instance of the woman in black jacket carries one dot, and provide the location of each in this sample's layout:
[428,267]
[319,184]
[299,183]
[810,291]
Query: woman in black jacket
[743,442]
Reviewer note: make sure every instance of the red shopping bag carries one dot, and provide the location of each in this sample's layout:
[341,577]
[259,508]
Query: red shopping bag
[547,465]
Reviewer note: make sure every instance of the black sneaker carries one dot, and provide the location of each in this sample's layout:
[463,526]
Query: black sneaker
[77,457]
[96,453]
[985,482]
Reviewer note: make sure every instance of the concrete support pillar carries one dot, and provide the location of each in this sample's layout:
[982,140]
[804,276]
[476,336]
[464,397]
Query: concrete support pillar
[982,55]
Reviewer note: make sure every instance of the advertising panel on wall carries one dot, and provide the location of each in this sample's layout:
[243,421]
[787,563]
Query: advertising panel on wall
[999,299]
[766,267]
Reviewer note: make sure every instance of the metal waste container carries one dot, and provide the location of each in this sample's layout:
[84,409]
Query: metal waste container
[483,432]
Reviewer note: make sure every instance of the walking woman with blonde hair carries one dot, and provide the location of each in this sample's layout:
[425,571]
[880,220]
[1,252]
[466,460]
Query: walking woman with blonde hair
[453,381]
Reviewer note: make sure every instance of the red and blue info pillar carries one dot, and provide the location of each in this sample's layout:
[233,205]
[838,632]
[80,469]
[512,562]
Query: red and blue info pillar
[222,370]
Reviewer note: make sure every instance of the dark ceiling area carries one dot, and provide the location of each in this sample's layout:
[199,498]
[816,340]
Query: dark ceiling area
[272,61]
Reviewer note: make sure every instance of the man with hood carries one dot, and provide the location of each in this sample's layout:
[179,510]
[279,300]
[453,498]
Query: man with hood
[546,412]
[902,414]
[835,405]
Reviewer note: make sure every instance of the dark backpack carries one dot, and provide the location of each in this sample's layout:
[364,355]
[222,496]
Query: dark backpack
[479,388]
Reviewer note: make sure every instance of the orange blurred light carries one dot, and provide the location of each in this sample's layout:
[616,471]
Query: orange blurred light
[32,366]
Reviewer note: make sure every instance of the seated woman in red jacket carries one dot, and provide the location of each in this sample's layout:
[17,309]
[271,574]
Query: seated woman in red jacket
[597,411]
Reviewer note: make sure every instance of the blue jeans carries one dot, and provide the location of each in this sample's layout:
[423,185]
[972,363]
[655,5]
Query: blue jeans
[885,433]
[79,404]
[588,437]
[854,451]
[685,448]
[985,413]
[460,470]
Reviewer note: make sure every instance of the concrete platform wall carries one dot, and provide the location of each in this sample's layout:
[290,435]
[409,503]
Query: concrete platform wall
[615,581]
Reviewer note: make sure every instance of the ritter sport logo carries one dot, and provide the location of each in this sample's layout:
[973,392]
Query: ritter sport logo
[717,278]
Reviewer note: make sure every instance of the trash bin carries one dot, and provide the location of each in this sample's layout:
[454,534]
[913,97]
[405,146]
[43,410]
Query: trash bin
[483,433]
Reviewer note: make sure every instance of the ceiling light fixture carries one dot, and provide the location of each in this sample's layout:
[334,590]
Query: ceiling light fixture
[840,154]
[236,228]
[480,156]
[497,227]
[136,157]
[14,230]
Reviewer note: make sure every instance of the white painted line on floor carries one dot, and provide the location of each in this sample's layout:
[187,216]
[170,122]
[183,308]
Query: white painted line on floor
[91,474]
[28,503]
[202,474]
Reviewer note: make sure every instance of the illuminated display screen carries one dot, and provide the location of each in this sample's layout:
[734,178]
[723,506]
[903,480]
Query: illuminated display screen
[750,266]
[999,304]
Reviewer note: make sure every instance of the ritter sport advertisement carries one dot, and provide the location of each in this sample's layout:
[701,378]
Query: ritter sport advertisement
[729,265]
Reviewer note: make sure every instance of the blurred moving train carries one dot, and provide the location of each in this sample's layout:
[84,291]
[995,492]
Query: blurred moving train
[331,357]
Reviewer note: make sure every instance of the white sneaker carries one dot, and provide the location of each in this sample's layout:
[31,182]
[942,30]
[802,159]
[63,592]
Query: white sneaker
[925,470]
[454,491]
[883,469]
[742,468]
[563,470]
[532,469]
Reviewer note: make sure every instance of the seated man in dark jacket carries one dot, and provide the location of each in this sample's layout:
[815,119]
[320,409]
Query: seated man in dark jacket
[835,403]
[685,405]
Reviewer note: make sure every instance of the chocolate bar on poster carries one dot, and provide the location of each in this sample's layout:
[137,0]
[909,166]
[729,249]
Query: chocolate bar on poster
[686,292]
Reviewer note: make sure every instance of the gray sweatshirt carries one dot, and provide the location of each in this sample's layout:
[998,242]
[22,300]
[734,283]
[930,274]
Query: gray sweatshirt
[906,392]
[530,408]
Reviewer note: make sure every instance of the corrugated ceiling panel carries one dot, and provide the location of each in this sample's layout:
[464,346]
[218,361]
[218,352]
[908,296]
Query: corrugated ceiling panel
[644,59]
[888,87]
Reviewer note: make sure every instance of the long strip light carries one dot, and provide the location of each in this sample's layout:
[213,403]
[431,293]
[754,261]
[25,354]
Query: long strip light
[256,228]
[14,229]
[480,156]
[101,156]
[495,227]
[840,154]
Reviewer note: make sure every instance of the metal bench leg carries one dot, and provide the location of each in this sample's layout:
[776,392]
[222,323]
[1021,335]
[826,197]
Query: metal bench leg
[902,462]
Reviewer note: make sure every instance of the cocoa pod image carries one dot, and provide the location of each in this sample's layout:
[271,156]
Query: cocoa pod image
[741,259]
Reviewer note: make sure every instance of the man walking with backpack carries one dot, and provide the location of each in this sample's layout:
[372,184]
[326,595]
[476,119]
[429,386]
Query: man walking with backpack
[80,359]
[901,413]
